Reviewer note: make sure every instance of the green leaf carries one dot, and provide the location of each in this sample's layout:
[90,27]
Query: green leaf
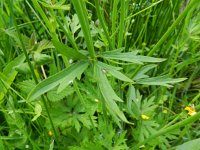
[24,68]
[131,57]
[134,102]
[38,111]
[44,44]
[66,75]
[54,96]
[58,5]
[141,74]
[81,11]
[41,59]
[26,86]
[193,145]
[1,53]
[67,51]
[109,95]
[160,80]
[114,72]
[10,73]
[51,145]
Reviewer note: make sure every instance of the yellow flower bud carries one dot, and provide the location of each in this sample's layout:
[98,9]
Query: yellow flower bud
[144,117]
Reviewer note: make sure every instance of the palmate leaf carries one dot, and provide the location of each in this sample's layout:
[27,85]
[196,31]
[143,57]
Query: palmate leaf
[130,57]
[67,74]
[109,95]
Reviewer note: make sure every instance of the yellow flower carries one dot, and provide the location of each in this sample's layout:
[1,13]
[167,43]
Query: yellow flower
[144,117]
[191,110]
[50,133]
[164,111]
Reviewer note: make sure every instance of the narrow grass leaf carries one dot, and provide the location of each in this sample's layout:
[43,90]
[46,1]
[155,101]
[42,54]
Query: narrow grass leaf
[1,53]
[68,74]
[80,8]
[67,51]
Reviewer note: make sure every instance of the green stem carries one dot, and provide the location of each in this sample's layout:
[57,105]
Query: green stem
[81,11]
[114,20]
[171,128]
[172,27]
[103,24]
[121,25]
[30,65]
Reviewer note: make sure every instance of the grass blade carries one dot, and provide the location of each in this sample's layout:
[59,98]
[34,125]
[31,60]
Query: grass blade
[79,6]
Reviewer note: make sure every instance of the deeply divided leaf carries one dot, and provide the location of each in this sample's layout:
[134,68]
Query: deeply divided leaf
[67,74]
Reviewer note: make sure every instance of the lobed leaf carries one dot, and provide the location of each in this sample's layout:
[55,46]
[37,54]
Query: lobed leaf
[67,74]
[58,5]
[160,80]
[109,95]
[131,57]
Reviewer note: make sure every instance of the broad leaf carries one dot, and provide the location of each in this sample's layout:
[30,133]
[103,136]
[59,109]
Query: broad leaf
[67,74]
[193,145]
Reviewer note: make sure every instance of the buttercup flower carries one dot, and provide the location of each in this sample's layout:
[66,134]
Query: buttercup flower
[191,110]
[144,117]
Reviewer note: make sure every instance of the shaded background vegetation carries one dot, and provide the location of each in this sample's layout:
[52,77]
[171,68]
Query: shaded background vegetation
[98,74]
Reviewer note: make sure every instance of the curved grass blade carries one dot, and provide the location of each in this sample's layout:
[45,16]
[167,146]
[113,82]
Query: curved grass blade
[67,51]
[67,74]
[81,11]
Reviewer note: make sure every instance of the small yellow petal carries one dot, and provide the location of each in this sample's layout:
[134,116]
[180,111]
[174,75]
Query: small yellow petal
[164,111]
[191,110]
[144,117]
[192,113]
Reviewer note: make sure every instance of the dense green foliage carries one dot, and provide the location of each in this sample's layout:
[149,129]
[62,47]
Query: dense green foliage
[99,74]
